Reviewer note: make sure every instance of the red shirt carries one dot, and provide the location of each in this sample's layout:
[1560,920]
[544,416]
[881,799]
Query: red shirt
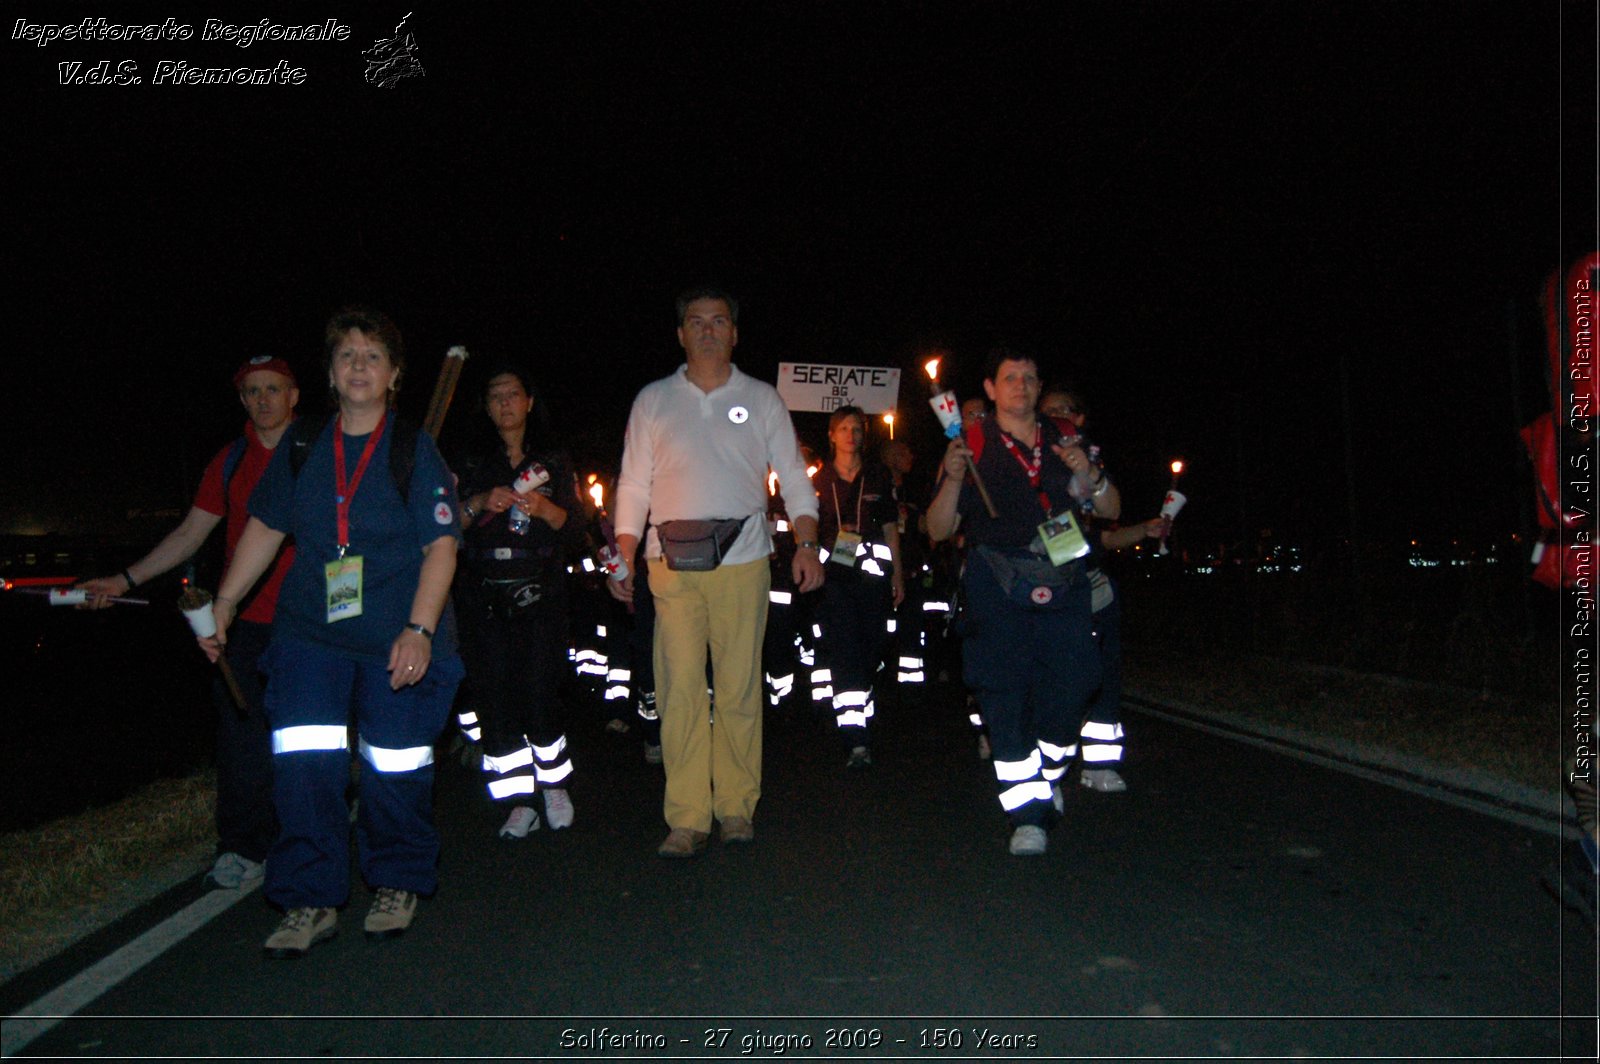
[235,507]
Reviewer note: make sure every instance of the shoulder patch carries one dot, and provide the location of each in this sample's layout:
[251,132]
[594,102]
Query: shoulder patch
[443,514]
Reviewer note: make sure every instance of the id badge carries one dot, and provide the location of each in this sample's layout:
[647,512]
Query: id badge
[845,545]
[1063,538]
[344,587]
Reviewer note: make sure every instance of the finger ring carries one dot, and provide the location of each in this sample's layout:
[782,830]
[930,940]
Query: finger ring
[411,668]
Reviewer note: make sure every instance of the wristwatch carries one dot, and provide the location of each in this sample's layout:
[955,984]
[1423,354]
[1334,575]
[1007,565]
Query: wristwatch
[809,544]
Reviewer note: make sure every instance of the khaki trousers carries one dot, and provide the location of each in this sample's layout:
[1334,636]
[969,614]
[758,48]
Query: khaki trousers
[712,771]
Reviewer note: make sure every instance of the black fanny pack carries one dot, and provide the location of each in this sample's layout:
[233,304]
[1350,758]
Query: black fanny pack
[697,546]
[513,598]
[1032,580]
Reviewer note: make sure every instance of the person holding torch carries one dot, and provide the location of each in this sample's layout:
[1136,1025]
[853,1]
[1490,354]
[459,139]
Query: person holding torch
[1029,652]
[245,825]
[517,504]
[364,625]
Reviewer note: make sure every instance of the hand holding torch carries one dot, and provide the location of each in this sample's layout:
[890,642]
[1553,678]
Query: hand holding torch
[196,606]
[1171,504]
[948,409]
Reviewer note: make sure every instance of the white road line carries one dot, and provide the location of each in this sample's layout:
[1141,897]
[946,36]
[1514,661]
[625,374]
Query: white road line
[1550,812]
[38,1017]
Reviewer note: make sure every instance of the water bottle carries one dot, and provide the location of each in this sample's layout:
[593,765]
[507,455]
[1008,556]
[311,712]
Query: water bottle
[529,479]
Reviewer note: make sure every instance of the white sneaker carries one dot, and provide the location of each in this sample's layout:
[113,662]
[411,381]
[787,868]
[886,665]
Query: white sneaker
[1029,841]
[521,821]
[557,808]
[1104,780]
[233,871]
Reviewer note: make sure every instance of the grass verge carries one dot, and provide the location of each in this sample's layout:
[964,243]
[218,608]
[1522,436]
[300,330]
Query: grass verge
[64,879]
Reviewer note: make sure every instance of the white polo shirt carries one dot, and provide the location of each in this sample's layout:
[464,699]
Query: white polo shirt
[693,455]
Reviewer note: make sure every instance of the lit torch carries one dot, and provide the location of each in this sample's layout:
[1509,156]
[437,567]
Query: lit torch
[948,409]
[1171,504]
[888,419]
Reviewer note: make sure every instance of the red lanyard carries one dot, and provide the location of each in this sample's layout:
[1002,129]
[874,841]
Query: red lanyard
[344,492]
[1033,468]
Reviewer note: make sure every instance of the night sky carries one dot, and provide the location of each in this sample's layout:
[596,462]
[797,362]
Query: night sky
[1205,215]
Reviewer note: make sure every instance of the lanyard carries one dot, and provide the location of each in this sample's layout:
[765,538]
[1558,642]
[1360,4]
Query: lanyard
[861,477]
[344,492]
[1034,468]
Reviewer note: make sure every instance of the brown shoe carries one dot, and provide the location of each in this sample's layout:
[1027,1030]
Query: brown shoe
[683,842]
[737,831]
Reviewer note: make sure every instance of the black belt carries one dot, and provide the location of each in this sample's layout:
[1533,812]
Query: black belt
[504,554]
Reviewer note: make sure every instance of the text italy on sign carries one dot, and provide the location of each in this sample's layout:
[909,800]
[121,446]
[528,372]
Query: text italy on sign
[816,386]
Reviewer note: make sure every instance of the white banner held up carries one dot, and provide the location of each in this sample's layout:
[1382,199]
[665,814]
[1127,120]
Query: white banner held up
[823,387]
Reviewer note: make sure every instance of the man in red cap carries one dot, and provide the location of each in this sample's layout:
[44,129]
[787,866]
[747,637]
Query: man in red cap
[246,826]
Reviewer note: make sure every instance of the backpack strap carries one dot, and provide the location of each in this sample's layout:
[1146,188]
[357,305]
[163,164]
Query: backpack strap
[230,464]
[403,455]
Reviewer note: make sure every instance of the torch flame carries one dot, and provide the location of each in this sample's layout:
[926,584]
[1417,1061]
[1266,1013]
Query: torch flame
[597,492]
[931,367]
[813,470]
[1177,466]
[772,482]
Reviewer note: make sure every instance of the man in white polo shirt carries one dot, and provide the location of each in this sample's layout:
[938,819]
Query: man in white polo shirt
[695,462]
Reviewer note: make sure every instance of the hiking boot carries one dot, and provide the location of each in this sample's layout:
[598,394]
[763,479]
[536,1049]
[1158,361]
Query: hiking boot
[299,930]
[558,810]
[1104,780]
[1029,840]
[233,871]
[683,842]
[522,820]
[738,831]
[391,913]
[860,758]
[652,753]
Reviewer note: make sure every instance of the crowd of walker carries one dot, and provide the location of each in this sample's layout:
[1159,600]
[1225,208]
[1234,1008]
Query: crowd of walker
[366,580]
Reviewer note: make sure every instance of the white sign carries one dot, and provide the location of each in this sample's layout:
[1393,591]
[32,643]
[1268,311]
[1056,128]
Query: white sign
[818,386]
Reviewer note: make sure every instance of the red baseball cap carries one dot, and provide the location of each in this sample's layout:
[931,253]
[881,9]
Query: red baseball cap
[268,363]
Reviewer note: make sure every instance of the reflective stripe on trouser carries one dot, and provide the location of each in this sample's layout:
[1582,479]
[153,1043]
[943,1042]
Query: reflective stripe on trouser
[619,683]
[513,669]
[467,721]
[711,771]
[310,694]
[1032,672]
[1102,730]
[1102,745]
[519,772]
[854,609]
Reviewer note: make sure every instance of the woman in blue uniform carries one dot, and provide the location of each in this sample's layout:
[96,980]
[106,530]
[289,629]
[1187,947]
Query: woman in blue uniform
[1028,649]
[513,603]
[858,525]
[363,631]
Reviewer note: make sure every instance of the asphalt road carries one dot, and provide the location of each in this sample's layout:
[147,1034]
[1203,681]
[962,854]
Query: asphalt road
[1235,902]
